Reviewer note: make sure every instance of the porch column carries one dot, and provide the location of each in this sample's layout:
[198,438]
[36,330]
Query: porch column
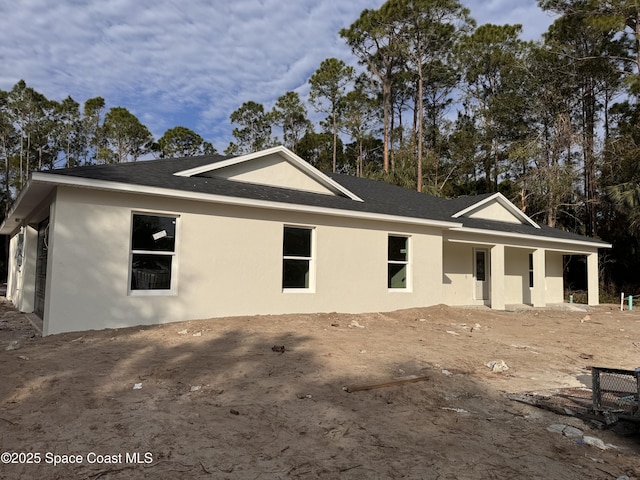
[497,277]
[593,294]
[539,293]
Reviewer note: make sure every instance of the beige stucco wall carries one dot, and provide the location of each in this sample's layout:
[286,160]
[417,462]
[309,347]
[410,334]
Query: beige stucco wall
[517,290]
[229,263]
[457,277]
[271,170]
[458,280]
[555,280]
[494,211]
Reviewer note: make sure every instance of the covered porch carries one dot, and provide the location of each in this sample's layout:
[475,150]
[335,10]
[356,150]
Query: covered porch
[497,274]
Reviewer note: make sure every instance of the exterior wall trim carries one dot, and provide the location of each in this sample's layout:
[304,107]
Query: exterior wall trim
[535,238]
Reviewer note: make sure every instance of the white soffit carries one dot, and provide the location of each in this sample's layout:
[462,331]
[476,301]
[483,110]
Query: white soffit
[314,180]
[502,200]
[28,200]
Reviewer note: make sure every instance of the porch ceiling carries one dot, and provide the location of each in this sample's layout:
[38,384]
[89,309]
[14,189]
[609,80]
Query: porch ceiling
[32,196]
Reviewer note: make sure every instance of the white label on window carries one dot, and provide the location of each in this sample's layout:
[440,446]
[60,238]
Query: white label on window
[157,236]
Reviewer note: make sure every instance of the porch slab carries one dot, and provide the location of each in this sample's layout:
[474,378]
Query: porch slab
[519,307]
[571,307]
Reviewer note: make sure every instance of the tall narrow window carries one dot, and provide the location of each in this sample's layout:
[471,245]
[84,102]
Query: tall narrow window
[398,262]
[153,248]
[481,265]
[531,270]
[297,257]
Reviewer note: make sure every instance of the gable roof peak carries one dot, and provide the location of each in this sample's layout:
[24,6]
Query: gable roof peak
[500,199]
[243,165]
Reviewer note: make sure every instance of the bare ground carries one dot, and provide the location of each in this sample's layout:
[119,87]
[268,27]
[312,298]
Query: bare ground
[217,402]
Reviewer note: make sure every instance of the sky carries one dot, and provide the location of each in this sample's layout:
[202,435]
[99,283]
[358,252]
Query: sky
[191,62]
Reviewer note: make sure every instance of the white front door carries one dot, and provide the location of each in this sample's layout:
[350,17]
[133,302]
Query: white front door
[481,274]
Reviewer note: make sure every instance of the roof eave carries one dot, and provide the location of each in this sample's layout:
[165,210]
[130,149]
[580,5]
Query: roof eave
[31,195]
[538,238]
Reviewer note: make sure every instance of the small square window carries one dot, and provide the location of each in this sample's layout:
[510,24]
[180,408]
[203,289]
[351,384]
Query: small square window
[297,242]
[295,273]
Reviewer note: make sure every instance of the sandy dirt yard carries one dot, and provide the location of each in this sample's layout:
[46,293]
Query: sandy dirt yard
[212,399]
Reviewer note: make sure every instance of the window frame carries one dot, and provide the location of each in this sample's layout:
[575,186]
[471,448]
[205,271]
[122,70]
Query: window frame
[173,272]
[310,288]
[406,263]
[531,281]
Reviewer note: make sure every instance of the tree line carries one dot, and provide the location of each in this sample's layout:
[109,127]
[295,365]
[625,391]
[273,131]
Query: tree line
[439,104]
[41,134]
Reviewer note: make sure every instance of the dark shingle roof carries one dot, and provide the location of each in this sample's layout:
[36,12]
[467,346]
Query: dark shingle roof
[524,229]
[454,205]
[378,197]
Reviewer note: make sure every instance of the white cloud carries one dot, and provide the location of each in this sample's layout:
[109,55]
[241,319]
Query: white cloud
[525,12]
[189,63]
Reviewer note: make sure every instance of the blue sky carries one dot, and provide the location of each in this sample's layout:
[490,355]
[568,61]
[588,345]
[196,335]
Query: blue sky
[191,62]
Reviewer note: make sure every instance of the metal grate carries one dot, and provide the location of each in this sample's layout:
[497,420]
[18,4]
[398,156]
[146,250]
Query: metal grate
[616,391]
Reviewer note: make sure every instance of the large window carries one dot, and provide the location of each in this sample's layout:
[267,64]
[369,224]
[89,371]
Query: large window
[297,258]
[153,249]
[398,262]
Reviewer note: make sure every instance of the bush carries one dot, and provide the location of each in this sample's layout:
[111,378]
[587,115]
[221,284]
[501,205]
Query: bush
[579,296]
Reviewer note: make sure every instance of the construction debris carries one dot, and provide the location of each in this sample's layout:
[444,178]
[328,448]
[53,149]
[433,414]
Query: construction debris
[410,379]
[14,345]
[498,366]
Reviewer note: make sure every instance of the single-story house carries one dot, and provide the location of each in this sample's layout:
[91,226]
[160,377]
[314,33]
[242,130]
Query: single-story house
[157,241]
